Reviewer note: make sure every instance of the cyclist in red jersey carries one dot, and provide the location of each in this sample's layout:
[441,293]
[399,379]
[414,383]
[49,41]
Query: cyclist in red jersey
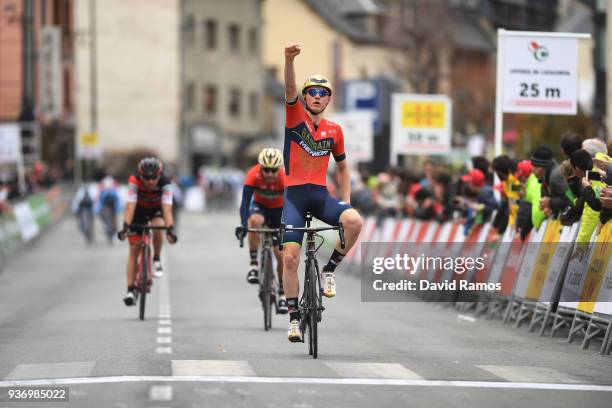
[262,203]
[309,142]
[149,199]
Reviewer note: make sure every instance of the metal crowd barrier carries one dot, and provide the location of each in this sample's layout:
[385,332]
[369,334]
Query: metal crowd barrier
[549,281]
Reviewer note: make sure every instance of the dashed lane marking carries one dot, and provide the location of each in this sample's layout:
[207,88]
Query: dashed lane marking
[51,370]
[529,374]
[160,393]
[373,370]
[211,367]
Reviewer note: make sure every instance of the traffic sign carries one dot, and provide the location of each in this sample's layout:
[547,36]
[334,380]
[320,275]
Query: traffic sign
[540,74]
[420,124]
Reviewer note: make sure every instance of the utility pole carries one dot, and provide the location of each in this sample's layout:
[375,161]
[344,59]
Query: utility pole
[83,166]
[26,117]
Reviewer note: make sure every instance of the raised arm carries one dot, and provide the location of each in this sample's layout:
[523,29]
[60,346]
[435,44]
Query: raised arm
[291,91]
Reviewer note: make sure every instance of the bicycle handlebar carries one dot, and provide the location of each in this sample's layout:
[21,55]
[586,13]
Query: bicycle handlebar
[339,228]
[149,227]
[259,231]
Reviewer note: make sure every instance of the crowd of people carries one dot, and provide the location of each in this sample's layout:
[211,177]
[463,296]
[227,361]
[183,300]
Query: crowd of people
[38,177]
[524,193]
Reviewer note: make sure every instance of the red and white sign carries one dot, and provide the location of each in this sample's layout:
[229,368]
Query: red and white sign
[539,74]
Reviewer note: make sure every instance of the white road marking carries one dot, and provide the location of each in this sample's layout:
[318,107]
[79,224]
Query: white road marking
[320,381]
[373,370]
[211,367]
[164,320]
[529,374]
[160,393]
[51,370]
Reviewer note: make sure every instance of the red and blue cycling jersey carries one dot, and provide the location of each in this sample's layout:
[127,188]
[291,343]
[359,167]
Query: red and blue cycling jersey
[269,195]
[266,195]
[306,154]
[307,148]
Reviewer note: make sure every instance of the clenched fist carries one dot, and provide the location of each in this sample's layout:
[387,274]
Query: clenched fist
[292,51]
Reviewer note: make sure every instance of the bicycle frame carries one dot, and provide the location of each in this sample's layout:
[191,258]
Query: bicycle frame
[143,280]
[268,282]
[311,302]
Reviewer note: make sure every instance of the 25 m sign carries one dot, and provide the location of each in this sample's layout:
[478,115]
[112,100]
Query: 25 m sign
[539,75]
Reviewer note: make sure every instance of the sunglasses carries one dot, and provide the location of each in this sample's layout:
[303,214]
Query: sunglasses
[318,91]
[150,178]
[265,170]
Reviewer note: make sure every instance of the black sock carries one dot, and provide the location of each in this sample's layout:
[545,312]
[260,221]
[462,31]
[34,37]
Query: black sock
[292,305]
[334,260]
[131,288]
[253,257]
[155,258]
[280,289]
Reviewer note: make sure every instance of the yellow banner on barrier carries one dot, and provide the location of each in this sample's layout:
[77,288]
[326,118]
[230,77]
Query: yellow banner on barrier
[597,269]
[544,259]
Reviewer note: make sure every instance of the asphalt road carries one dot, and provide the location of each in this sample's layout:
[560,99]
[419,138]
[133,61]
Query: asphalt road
[63,323]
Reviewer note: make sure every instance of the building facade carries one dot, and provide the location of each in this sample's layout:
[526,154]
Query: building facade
[37,77]
[223,79]
[128,84]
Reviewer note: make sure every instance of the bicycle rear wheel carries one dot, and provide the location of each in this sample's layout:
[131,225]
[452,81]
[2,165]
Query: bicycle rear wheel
[313,309]
[146,261]
[266,287]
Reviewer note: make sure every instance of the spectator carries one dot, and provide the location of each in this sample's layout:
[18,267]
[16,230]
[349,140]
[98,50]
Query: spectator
[386,196]
[573,213]
[529,214]
[428,173]
[426,204]
[554,186]
[482,164]
[485,202]
[444,192]
[362,197]
[594,146]
[582,162]
[4,195]
[605,168]
[505,168]
[570,142]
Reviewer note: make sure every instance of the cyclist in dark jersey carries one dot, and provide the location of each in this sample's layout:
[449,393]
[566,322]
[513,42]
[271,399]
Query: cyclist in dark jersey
[262,203]
[309,141]
[149,198]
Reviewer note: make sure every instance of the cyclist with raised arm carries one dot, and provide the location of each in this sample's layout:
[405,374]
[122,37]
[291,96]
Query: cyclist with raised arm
[262,203]
[149,199]
[309,141]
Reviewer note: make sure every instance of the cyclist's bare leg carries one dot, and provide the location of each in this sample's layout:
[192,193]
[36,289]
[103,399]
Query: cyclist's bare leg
[131,263]
[291,261]
[255,221]
[352,224]
[279,264]
[158,236]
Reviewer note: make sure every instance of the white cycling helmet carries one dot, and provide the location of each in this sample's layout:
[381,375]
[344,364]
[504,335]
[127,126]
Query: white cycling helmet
[270,158]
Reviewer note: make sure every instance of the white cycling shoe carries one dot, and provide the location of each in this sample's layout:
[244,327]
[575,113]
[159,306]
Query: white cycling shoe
[253,275]
[294,334]
[329,284]
[158,269]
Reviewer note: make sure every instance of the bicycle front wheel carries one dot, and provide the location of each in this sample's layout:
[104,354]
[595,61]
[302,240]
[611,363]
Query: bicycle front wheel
[146,262]
[313,309]
[266,288]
